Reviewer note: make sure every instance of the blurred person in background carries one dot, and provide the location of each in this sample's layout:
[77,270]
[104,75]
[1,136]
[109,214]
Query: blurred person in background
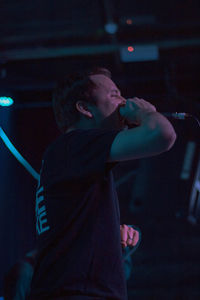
[17,281]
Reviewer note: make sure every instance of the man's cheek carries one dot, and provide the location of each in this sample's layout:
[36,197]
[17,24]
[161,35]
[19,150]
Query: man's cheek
[112,106]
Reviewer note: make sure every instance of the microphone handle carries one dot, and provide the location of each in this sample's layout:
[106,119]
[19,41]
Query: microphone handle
[174,115]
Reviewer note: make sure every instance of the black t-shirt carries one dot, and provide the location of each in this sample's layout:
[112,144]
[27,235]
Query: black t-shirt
[78,220]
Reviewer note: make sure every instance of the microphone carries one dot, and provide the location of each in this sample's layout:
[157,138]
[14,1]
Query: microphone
[176,115]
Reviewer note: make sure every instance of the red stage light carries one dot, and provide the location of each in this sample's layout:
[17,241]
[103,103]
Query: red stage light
[130,49]
[129,21]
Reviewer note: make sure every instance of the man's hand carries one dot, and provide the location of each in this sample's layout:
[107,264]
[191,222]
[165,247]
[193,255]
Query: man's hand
[135,110]
[129,236]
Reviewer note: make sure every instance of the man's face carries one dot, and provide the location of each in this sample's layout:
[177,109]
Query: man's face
[108,99]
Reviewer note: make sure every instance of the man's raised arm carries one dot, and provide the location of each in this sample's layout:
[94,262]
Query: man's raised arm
[152,135]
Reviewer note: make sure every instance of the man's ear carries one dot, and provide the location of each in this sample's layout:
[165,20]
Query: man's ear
[82,107]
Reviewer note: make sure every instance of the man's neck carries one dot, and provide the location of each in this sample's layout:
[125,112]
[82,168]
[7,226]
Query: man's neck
[82,125]
[111,122]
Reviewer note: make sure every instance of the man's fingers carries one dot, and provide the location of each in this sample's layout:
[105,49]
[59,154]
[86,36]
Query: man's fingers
[133,237]
[124,234]
[129,236]
[142,103]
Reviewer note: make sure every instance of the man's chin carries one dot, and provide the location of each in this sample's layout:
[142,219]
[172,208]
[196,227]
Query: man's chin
[113,121]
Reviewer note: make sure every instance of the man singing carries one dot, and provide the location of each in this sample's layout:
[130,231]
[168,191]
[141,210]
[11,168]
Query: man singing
[78,220]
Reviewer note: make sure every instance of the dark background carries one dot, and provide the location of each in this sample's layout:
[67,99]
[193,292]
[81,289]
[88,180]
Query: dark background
[41,41]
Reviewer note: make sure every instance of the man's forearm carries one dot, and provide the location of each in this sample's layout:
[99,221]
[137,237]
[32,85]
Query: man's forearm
[158,124]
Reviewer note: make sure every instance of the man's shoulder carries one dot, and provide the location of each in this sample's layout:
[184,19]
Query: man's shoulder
[58,142]
[80,137]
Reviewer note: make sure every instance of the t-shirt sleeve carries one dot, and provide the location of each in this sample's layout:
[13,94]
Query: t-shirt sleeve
[80,155]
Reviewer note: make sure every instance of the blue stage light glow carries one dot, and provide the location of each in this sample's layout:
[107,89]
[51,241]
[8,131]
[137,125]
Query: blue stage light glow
[17,155]
[6,101]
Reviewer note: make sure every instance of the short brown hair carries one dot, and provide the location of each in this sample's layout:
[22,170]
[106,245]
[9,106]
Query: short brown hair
[75,87]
